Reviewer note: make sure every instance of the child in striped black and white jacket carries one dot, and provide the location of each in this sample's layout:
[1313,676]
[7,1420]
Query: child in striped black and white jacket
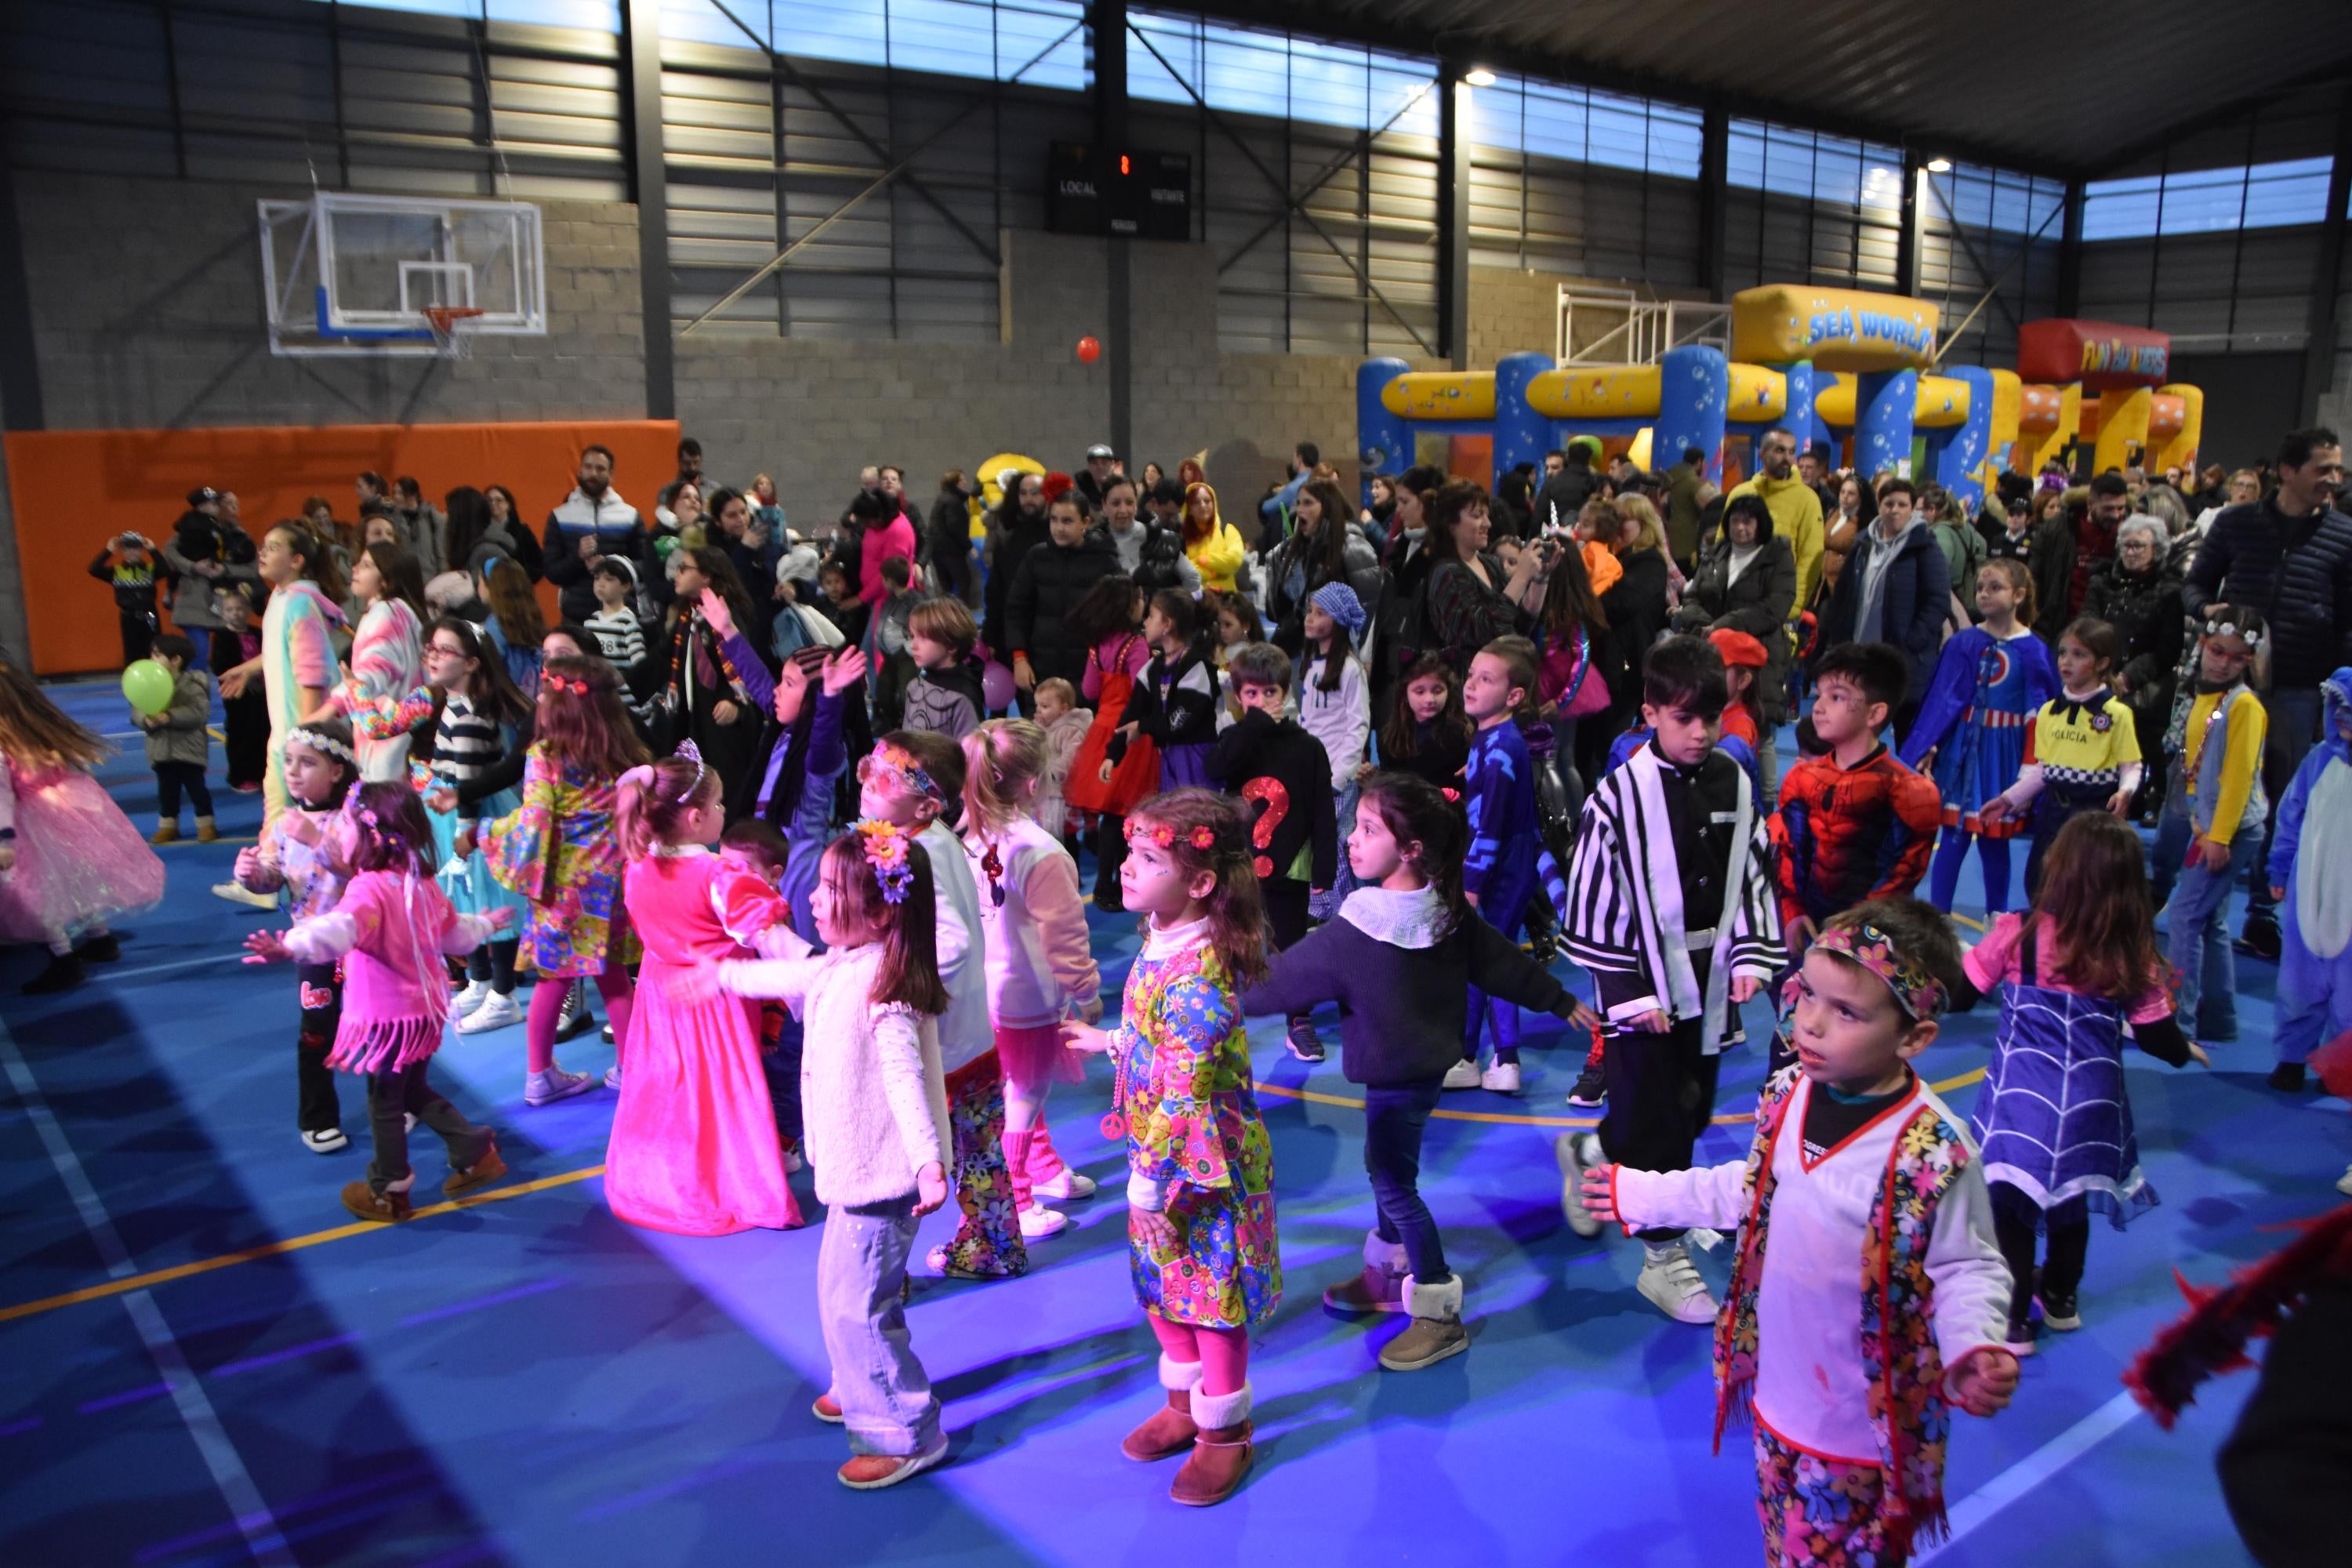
[1672,906]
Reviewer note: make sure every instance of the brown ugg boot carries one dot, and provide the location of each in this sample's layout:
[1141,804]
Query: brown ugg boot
[205,832]
[1436,1330]
[1221,1453]
[166,832]
[1169,1432]
[1379,1287]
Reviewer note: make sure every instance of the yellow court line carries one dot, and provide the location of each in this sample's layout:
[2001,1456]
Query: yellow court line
[342,1232]
[190,842]
[292,1244]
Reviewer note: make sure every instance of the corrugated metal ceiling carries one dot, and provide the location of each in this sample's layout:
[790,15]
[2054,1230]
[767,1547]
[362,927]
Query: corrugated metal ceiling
[2055,87]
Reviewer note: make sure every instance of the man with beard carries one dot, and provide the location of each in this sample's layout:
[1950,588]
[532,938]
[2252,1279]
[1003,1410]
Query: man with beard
[1018,526]
[1795,506]
[593,520]
[2290,556]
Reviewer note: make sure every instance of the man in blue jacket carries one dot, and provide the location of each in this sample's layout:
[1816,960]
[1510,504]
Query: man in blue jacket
[593,520]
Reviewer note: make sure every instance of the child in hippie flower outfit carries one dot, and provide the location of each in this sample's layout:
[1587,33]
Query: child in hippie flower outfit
[1202,1247]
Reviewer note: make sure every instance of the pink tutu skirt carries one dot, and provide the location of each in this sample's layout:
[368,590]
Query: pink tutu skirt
[1037,1056]
[78,860]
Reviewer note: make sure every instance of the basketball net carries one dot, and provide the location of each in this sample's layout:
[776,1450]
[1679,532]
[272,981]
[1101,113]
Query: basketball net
[444,321]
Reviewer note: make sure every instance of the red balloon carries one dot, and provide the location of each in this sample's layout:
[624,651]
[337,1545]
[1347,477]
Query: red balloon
[1089,351]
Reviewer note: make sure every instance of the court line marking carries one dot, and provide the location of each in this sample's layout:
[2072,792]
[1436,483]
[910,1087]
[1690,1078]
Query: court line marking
[235,1483]
[495,1194]
[2036,1467]
[291,1244]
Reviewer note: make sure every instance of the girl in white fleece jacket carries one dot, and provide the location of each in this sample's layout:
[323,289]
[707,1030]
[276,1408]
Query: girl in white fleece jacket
[875,1103]
[1041,969]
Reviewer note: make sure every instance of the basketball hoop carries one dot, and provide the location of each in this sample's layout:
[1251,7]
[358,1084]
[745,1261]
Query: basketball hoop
[443,320]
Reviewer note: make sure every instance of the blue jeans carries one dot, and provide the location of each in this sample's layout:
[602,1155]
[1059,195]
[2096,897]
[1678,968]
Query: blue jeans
[2196,945]
[861,1266]
[2293,724]
[2173,832]
[1394,1119]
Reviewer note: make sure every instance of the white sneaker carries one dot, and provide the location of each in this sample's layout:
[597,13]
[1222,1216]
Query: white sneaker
[476,993]
[554,1084]
[408,1121]
[1670,1280]
[613,1076]
[1503,1078]
[1463,1074]
[1037,1220]
[792,1161]
[1569,1149]
[236,894]
[1063,1187]
[325,1142]
[495,1011]
[2343,1182]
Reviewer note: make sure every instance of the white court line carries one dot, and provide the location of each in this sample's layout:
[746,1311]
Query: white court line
[229,958]
[254,1520]
[2037,1468]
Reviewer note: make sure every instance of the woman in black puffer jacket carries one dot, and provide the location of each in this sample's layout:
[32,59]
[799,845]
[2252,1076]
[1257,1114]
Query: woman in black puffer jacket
[1748,582]
[2139,594]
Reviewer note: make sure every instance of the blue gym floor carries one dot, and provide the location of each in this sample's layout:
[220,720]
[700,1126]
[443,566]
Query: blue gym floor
[527,1380]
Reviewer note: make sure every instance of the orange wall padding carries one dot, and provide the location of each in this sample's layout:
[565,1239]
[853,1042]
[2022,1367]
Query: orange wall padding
[74,489]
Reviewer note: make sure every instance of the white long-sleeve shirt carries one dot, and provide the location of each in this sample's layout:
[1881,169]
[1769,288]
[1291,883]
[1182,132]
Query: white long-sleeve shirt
[964,1033]
[1810,1384]
[1342,719]
[874,1097]
[1041,965]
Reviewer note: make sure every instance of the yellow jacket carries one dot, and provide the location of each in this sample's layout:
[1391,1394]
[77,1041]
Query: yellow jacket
[1796,518]
[1218,556]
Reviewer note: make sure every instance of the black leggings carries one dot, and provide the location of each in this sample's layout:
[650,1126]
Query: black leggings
[170,778]
[315,1109]
[495,961]
[2015,1218]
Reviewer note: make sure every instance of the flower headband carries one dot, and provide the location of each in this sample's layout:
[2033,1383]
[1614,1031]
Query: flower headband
[578,688]
[1917,992]
[1200,836]
[897,766]
[2229,627]
[885,846]
[326,744]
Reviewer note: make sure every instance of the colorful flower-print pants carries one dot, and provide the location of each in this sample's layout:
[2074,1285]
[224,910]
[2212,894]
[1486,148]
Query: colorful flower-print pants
[989,1241]
[1817,1513]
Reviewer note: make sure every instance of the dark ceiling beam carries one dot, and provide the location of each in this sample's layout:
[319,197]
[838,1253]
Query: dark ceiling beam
[2229,113]
[1499,54]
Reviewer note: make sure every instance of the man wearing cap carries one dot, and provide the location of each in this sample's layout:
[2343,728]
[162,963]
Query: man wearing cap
[1094,481]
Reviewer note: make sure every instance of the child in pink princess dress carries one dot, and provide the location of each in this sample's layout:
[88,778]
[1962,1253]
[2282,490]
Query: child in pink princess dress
[391,928]
[69,859]
[693,1149]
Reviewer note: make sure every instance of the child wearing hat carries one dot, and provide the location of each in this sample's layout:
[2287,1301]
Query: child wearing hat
[1744,659]
[1334,706]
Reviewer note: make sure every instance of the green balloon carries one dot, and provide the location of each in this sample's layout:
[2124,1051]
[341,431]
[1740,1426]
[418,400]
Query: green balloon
[147,685]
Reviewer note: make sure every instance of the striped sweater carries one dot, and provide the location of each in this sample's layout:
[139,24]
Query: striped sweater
[1625,910]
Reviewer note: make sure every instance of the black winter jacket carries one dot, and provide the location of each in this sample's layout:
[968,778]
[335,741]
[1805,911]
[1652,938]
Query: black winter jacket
[1011,535]
[1050,581]
[1757,602]
[2147,616]
[2298,571]
[1917,587]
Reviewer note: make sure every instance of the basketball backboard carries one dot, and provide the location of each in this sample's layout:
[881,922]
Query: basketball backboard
[364,275]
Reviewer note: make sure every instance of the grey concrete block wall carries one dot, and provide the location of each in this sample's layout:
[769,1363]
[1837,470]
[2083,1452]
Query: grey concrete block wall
[147,297]
[147,304]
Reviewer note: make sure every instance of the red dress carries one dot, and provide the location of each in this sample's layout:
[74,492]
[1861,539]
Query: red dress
[694,1148]
[1111,670]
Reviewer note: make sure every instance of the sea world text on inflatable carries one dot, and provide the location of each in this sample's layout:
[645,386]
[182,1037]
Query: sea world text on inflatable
[1835,328]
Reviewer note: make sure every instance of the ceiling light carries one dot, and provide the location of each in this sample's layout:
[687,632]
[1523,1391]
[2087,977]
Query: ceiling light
[1479,76]
[1940,165]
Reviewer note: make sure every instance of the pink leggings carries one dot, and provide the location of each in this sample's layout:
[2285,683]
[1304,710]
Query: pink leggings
[1223,1353]
[547,1002]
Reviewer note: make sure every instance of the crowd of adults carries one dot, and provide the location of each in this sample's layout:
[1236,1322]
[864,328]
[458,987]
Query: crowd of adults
[1594,561]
